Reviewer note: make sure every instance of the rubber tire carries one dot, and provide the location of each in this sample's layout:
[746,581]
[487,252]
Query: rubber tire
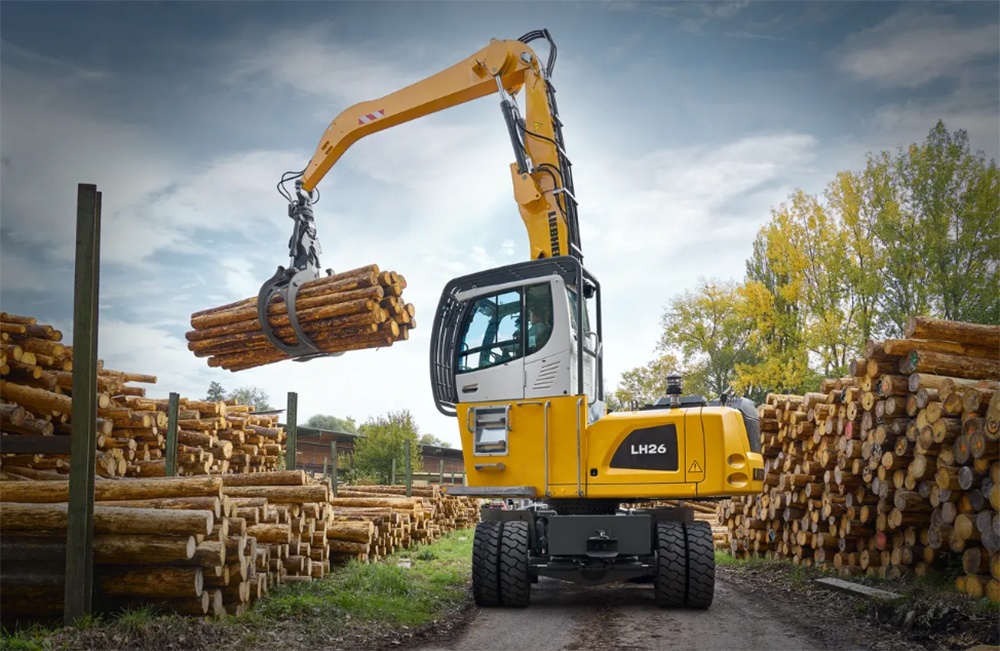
[701,565]
[486,564]
[670,586]
[515,583]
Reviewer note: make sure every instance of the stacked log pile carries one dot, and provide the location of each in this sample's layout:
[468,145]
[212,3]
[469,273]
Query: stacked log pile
[175,542]
[208,545]
[893,469]
[401,521]
[353,310]
[36,383]
[704,510]
[288,515]
[220,437]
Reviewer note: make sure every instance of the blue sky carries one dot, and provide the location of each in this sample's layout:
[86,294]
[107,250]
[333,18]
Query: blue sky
[686,122]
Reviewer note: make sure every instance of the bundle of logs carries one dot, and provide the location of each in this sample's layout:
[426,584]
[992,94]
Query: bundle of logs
[398,520]
[893,469]
[705,510]
[353,310]
[207,545]
[36,399]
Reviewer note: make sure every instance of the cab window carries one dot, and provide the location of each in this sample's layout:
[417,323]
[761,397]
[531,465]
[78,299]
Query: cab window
[491,335]
[572,312]
[500,327]
[538,304]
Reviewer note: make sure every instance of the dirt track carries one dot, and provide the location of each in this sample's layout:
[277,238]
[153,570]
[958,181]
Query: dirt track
[566,617]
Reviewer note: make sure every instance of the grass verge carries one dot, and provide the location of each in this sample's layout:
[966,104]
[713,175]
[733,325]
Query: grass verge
[358,606]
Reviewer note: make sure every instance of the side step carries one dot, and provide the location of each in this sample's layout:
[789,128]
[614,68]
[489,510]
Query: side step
[490,491]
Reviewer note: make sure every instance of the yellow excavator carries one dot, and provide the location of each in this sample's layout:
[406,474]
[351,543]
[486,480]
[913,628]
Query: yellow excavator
[516,355]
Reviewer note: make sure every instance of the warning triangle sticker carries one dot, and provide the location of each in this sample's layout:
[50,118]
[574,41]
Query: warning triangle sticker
[695,467]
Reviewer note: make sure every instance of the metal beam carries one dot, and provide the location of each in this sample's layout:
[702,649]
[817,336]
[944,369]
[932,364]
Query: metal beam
[409,471]
[78,595]
[172,408]
[292,417]
[333,469]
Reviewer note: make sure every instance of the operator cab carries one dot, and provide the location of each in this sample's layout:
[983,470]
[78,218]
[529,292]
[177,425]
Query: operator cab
[515,333]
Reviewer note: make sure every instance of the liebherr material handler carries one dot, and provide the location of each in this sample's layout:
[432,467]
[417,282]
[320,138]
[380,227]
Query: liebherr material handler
[516,356]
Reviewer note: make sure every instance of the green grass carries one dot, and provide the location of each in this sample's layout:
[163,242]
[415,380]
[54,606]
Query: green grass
[30,639]
[383,593]
[357,597]
[751,562]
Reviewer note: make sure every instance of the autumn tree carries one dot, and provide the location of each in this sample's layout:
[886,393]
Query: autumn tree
[705,328]
[912,233]
[643,385]
[383,439]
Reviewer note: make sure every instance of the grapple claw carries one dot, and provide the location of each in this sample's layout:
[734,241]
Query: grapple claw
[286,283]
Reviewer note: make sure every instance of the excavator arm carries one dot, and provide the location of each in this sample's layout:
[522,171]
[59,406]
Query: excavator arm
[541,173]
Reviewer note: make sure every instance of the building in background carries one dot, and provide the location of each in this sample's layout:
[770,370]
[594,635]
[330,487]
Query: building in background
[441,464]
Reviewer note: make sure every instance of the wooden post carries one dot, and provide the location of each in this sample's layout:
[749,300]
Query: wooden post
[324,468]
[392,479]
[333,468]
[172,409]
[293,430]
[409,471]
[78,595]
[441,471]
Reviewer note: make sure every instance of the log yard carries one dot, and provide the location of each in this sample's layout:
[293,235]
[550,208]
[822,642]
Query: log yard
[809,460]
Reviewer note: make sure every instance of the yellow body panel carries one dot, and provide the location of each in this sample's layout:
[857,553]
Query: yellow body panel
[713,455]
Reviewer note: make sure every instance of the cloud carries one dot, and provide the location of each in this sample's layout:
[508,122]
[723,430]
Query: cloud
[339,73]
[763,37]
[53,137]
[911,49]
[140,348]
[694,15]
[930,67]
[654,223]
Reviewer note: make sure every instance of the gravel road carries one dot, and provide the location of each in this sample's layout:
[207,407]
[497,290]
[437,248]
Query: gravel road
[567,617]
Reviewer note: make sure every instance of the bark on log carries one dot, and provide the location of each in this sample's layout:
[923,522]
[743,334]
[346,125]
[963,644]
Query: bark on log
[22,517]
[920,327]
[961,366]
[108,490]
[162,582]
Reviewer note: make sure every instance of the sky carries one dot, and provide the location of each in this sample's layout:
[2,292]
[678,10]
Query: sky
[686,122]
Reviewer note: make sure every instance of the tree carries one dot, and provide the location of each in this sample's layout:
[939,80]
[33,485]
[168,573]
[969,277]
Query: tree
[912,233]
[383,439]
[332,423]
[430,439]
[953,199]
[643,385]
[251,396]
[215,392]
[705,327]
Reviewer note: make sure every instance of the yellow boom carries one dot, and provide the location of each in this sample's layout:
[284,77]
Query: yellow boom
[539,176]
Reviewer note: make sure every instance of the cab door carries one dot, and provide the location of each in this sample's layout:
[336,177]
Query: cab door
[490,364]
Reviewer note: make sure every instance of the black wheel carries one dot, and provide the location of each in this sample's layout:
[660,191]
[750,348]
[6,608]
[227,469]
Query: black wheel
[515,584]
[670,586]
[701,564]
[486,564]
